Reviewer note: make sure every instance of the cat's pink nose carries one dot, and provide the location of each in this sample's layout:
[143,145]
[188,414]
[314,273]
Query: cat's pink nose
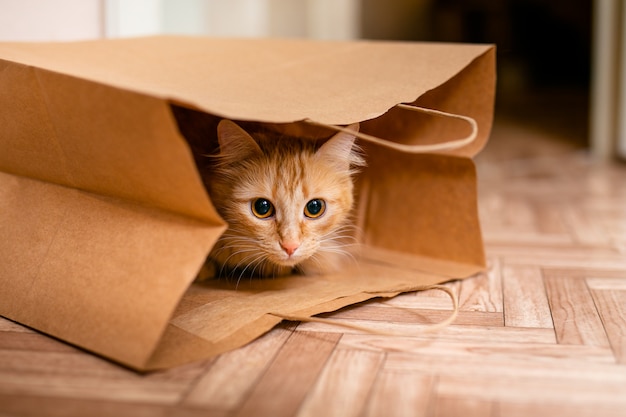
[290,247]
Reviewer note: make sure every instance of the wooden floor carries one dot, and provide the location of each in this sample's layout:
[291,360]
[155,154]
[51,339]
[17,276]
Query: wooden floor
[541,333]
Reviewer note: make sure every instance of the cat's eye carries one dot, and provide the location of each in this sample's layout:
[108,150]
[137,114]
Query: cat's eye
[262,208]
[315,208]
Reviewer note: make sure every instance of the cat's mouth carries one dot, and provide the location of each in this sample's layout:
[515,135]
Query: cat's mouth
[288,260]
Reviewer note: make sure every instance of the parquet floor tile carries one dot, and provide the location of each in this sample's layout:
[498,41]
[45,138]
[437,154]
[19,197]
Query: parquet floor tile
[542,332]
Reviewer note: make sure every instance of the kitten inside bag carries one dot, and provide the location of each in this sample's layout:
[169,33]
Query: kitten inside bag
[106,219]
[367,221]
[287,202]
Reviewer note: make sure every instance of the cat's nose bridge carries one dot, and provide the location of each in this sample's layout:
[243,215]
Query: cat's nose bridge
[290,238]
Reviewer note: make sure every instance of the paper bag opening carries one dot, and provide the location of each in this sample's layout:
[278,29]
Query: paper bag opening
[104,218]
[414,206]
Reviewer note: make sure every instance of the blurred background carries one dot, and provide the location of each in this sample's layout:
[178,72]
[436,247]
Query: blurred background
[559,66]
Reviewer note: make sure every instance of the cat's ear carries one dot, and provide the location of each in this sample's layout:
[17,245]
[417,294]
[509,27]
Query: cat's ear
[235,143]
[341,149]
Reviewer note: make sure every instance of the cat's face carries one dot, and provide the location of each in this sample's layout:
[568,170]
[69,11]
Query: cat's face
[285,201]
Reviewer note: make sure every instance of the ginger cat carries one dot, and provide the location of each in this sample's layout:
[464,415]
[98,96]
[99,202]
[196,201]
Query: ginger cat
[286,200]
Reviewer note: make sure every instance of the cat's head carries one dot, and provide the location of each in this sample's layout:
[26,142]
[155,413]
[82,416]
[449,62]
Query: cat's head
[285,199]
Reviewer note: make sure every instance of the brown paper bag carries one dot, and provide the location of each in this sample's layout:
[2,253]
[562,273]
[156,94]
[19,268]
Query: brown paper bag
[104,221]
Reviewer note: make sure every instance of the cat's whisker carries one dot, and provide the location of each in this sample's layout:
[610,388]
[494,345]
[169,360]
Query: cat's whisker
[315,258]
[260,264]
[342,252]
[251,262]
[236,229]
[247,260]
[253,253]
[334,249]
[270,266]
[251,244]
[237,253]
[337,245]
[341,238]
[345,228]
[235,249]
[237,239]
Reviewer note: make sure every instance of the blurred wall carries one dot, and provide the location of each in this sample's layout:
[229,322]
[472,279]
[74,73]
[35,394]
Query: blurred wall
[63,20]
[57,20]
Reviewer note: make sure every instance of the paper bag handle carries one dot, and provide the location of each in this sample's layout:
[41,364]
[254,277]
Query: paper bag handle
[435,147]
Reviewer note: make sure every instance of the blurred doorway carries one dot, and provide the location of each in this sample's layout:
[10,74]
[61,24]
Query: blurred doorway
[544,51]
